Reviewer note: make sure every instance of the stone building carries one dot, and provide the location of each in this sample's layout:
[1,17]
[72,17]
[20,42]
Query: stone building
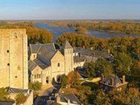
[14,63]
[47,63]
[13,58]
[113,82]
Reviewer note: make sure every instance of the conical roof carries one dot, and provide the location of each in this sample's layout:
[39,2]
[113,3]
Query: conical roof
[67,45]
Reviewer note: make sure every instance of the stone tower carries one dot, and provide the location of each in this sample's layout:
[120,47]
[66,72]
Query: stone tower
[13,58]
[68,56]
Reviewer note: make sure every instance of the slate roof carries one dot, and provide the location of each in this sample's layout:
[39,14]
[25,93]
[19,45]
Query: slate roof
[84,51]
[34,47]
[6,103]
[79,59]
[31,65]
[16,90]
[73,99]
[108,81]
[44,54]
[67,45]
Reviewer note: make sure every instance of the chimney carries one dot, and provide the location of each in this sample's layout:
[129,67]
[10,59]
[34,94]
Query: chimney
[123,78]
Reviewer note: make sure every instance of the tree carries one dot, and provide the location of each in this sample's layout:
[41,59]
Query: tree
[64,81]
[90,69]
[81,30]
[3,94]
[34,34]
[122,63]
[20,98]
[102,66]
[35,86]
[135,70]
[73,78]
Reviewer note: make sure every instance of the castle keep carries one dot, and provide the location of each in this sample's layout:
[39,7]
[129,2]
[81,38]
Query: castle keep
[13,58]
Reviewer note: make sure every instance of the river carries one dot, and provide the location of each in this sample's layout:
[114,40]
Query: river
[57,31]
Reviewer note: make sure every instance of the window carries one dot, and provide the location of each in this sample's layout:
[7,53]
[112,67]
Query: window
[8,64]
[7,51]
[58,65]
[47,79]
[37,76]
[15,35]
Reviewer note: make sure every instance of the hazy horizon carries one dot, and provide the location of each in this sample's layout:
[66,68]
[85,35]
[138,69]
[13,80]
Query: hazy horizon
[70,10]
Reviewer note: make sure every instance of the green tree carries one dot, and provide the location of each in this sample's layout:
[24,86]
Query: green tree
[3,94]
[122,63]
[35,86]
[20,98]
[102,66]
[64,81]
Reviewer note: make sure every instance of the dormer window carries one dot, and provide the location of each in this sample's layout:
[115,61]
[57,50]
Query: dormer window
[33,56]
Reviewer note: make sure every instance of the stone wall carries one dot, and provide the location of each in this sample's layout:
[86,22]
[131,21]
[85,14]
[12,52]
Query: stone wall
[68,54]
[13,58]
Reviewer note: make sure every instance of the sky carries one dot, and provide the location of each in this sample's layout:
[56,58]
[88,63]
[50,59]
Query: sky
[69,9]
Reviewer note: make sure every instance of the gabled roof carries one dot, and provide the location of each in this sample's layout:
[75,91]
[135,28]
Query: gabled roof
[67,45]
[47,51]
[35,47]
[31,65]
[113,81]
[44,52]
[71,97]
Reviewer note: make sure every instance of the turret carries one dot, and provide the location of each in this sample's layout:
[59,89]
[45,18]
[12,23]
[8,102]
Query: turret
[68,54]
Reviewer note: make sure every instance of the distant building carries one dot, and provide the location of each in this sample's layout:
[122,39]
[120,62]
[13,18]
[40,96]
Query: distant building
[113,82]
[86,54]
[47,63]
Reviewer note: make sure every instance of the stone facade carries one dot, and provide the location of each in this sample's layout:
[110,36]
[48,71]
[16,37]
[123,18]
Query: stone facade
[47,63]
[13,58]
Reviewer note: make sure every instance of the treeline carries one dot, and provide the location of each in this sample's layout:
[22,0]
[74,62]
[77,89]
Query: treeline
[125,50]
[126,27]
[119,27]
[34,34]
[117,44]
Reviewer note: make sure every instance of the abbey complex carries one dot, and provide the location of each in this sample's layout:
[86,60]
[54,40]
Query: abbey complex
[48,63]
[50,73]
[20,64]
